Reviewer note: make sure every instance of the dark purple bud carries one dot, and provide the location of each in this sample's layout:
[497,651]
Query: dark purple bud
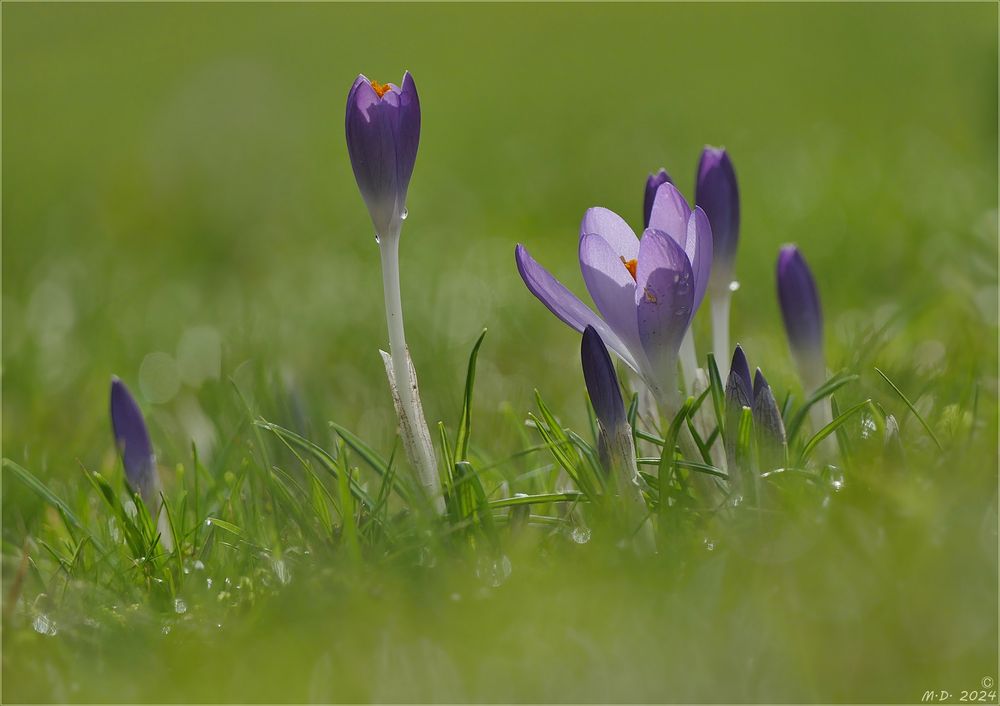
[739,394]
[383,130]
[801,312]
[602,382]
[739,388]
[134,445]
[768,424]
[653,182]
[717,193]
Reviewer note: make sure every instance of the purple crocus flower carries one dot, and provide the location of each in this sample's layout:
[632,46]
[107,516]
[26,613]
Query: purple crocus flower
[602,382]
[755,395]
[653,182]
[615,446]
[768,424]
[716,192]
[647,289]
[383,130]
[801,312]
[134,445]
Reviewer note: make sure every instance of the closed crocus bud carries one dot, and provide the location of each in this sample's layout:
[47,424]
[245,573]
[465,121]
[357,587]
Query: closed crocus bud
[739,387]
[133,444]
[800,310]
[768,424]
[383,129]
[615,444]
[717,194]
[739,394]
[602,382]
[653,182]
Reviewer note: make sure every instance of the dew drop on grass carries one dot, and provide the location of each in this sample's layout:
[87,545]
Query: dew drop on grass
[44,625]
[282,572]
[709,544]
[494,571]
[580,535]
[180,606]
[165,630]
[868,427]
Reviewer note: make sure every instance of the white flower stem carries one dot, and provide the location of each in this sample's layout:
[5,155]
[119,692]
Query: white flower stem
[413,427]
[689,362]
[720,332]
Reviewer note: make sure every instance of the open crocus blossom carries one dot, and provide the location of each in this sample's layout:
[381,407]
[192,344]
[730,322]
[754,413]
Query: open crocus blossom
[802,316]
[646,290]
[383,130]
[717,193]
[132,440]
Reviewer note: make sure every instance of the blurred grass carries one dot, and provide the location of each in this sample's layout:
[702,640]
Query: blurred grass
[176,190]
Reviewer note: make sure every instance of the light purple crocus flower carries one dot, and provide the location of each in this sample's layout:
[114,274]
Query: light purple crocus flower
[647,290]
[717,193]
[134,445]
[800,310]
[653,182]
[383,131]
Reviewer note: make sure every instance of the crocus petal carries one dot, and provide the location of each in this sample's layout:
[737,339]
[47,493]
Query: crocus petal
[408,137]
[698,246]
[800,310]
[768,423]
[613,228]
[716,192]
[610,285]
[602,382]
[739,380]
[133,443]
[653,182]
[670,212]
[664,297]
[565,305]
[371,143]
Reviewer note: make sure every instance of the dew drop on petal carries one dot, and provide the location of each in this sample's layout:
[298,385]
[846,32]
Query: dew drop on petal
[405,214]
[733,286]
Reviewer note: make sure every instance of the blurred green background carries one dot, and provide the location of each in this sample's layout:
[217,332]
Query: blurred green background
[177,191]
[179,208]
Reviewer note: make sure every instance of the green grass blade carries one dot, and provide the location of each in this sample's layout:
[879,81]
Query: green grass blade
[540,499]
[829,429]
[324,458]
[906,401]
[42,491]
[718,392]
[824,390]
[465,425]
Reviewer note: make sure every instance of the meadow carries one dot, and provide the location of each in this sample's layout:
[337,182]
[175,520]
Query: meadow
[179,210]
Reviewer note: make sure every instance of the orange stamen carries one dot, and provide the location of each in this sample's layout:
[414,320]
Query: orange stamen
[630,265]
[380,88]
